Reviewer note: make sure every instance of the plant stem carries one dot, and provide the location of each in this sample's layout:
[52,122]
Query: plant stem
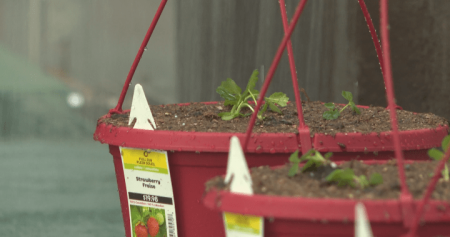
[233,109]
[250,107]
[239,108]
[344,108]
[254,99]
[445,173]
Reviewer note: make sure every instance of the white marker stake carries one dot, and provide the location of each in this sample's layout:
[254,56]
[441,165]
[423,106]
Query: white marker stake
[362,225]
[238,225]
[141,110]
[238,169]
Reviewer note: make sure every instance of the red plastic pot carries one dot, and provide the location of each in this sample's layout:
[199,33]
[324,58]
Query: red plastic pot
[297,216]
[194,157]
[289,216]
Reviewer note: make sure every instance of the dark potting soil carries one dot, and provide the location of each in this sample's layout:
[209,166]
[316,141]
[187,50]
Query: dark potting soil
[269,181]
[203,118]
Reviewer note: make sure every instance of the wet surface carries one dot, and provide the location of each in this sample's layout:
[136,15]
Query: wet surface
[51,188]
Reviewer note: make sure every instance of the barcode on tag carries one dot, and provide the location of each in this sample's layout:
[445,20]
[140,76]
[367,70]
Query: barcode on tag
[171,225]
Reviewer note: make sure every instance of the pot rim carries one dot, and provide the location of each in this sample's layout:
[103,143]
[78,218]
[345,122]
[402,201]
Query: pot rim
[319,209]
[314,209]
[265,142]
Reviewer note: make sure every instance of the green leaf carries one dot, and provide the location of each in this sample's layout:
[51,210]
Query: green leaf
[274,108]
[294,157]
[328,155]
[375,179]
[307,155]
[229,90]
[228,115]
[445,143]
[293,170]
[278,98]
[342,177]
[255,92]
[356,109]
[317,156]
[347,95]
[329,105]
[231,102]
[362,180]
[263,109]
[146,215]
[315,160]
[135,215]
[251,83]
[330,114]
[435,154]
[334,176]
[311,163]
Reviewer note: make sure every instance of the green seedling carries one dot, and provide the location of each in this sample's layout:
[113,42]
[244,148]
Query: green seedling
[436,154]
[234,96]
[313,159]
[346,177]
[333,112]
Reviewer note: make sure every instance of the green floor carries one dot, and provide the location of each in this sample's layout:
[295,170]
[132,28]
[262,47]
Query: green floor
[50,188]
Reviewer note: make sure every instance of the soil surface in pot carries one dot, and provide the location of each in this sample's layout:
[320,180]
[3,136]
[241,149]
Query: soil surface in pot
[203,118]
[267,181]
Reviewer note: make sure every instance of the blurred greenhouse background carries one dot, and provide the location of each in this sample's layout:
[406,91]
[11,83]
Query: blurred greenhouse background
[63,64]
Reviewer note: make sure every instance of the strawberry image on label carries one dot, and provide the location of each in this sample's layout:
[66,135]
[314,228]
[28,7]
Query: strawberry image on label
[140,230]
[153,226]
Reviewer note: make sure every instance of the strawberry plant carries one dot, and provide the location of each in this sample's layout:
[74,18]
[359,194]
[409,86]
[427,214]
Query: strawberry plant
[333,112]
[234,96]
[313,159]
[343,177]
[347,177]
[436,154]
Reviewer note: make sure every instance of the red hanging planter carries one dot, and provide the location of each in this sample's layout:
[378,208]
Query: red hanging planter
[299,216]
[195,157]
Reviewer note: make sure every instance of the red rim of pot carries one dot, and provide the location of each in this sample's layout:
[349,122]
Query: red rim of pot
[300,208]
[330,209]
[265,142]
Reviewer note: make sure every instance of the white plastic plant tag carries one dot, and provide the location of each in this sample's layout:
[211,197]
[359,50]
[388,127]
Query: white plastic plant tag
[140,110]
[362,225]
[238,225]
[237,169]
[150,193]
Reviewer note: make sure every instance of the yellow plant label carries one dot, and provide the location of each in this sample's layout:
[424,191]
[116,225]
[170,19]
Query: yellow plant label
[144,160]
[243,224]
